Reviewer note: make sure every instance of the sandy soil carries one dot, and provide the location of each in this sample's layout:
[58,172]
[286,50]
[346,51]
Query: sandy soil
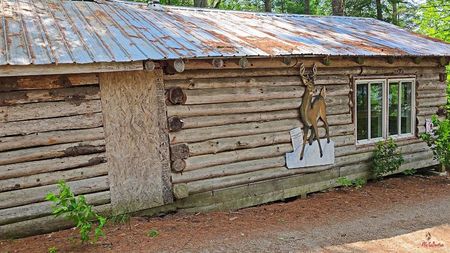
[320,223]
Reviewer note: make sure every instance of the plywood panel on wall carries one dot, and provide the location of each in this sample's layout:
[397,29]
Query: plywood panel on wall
[136,142]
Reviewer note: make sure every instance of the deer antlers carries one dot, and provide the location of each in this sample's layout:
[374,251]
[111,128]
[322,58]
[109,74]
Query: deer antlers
[308,79]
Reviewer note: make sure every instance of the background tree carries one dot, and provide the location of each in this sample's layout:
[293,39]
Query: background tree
[338,7]
[267,5]
[379,10]
[307,7]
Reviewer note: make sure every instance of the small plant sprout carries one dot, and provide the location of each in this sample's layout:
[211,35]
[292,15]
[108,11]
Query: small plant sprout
[386,158]
[409,172]
[77,210]
[52,250]
[153,233]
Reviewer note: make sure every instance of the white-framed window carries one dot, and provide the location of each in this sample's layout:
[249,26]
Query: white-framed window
[384,107]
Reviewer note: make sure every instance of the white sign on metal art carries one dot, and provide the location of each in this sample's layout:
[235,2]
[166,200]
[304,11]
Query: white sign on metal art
[312,152]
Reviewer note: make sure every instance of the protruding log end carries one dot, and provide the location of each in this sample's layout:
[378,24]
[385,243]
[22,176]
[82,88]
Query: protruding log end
[180,191]
[179,65]
[178,165]
[175,123]
[179,151]
[176,96]
[390,60]
[359,60]
[244,63]
[443,61]
[217,63]
[417,60]
[149,65]
[442,77]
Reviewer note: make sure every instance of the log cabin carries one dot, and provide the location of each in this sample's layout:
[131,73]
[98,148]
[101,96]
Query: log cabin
[146,109]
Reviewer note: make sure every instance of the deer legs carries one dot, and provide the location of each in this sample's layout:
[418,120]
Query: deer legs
[314,132]
[305,138]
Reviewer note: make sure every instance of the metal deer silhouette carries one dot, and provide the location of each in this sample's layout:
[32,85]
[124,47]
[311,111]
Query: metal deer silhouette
[312,109]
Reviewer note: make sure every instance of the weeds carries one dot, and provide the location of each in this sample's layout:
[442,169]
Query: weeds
[77,210]
[357,183]
[409,172]
[52,250]
[153,233]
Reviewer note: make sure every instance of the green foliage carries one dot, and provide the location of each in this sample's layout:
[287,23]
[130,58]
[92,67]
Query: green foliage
[439,140]
[77,210]
[409,172]
[52,250]
[120,219]
[153,233]
[358,183]
[386,158]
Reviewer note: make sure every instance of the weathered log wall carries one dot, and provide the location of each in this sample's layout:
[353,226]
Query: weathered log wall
[51,129]
[230,127]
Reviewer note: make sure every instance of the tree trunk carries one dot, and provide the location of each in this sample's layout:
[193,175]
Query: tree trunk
[338,7]
[394,12]
[307,7]
[268,5]
[379,10]
[216,4]
[201,3]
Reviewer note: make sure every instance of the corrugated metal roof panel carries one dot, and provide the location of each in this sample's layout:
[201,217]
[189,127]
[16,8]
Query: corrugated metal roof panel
[53,31]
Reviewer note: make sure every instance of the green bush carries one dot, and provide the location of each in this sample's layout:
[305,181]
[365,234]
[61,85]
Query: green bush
[439,140]
[386,158]
[77,210]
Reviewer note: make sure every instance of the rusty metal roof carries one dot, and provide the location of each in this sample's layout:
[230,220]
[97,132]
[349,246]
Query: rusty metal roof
[54,31]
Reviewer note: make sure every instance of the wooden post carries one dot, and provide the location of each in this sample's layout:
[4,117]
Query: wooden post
[137,145]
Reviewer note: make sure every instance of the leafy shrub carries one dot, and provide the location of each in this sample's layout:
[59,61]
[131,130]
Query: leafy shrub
[386,158]
[77,210]
[439,140]
[358,183]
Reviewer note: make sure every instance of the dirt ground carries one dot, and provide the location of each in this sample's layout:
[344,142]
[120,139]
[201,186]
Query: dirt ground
[323,222]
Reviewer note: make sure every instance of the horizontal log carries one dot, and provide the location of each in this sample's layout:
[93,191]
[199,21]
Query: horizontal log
[48,110]
[228,95]
[430,93]
[425,111]
[398,70]
[194,74]
[49,165]
[44,224]
[53,124]
[32,211]
[50,138]
[54,151]
[37,194]
[431,85]
[228,169]
[53,177]
[279,62]
[198,162]
[74,95]
[248,107]
[46,82]
[207,133]
[334,118]
[251,141]
[242,82]
[439,100]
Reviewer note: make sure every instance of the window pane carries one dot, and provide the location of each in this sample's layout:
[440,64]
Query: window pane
[406,103]
[362,113]
[376,110]
[393,108]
